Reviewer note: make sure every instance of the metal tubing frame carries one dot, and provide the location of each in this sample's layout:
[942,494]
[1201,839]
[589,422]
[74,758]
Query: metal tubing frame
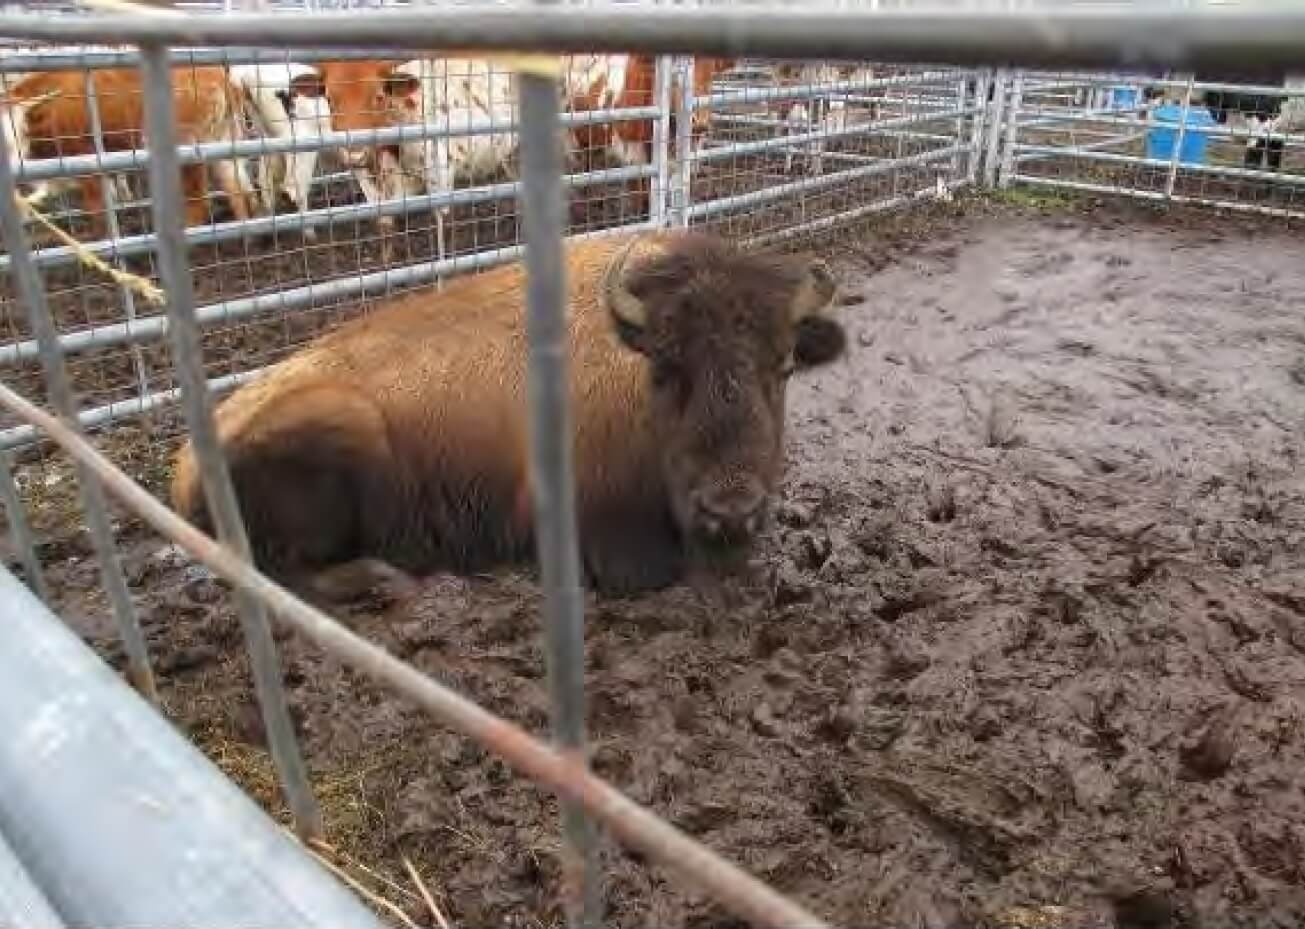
[996,126]
[1012,129]
[1087,187]
[153,328]
[1176,158]
[684,144]
[376,282]
[59,387]
[219,492]
[826,223]
[659,195]
[767,194]
[44,169]
[808,91]
[1204,39]
[802,138]
[118,818]
[1038,152]
[326,216]
[552,472]
[982,81]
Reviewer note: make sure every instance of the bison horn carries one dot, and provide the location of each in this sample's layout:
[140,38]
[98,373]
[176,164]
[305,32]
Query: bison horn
[622,304]
[816,291]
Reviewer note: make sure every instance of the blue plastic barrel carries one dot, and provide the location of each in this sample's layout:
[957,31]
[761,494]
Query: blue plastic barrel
[1160,138]
[1124,97]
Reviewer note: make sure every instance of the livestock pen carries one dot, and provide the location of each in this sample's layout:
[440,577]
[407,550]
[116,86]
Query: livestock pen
[1024,646]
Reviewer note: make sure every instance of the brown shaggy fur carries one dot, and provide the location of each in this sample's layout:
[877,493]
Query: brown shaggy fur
[403,435]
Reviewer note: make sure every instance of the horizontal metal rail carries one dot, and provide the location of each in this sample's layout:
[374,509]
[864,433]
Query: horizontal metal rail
[72,60]
[632,824]
[819,135]
[118,818]
[825,223]
[731,98]
[44,169]
[808,185]
[326,216]
[1205,38]
[1086,154]
[1161,196]
[1046,118]
[154,328]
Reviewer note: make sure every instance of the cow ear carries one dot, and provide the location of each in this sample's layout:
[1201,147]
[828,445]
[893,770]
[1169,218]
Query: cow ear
[398,84]
[308,85]
[819,339]
[627,311]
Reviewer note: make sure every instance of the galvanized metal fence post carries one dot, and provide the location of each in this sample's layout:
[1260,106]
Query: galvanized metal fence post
[996,116]
[20,531]
[962,104]
[660,182]
[552,480]
[1176,158]
[982,81]
[165,187]
[684,141]
[1012,130]
[31,292]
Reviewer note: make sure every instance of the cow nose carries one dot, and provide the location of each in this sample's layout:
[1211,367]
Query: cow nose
[731,513]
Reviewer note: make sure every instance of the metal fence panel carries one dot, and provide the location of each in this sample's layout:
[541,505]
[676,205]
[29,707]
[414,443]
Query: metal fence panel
[118,818]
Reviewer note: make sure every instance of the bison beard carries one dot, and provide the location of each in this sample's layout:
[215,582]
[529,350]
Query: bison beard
[401,439]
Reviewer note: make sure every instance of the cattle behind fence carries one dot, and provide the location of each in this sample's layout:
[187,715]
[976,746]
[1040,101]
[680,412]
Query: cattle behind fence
[767,172]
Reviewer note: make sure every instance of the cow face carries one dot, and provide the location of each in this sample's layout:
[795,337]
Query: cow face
[369,95]
[721,331]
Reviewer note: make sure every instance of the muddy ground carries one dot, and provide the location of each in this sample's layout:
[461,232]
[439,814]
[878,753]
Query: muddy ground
[1026,645]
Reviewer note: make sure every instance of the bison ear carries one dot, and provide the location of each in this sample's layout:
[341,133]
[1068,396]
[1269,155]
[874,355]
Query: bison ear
[819,338]
[628,313]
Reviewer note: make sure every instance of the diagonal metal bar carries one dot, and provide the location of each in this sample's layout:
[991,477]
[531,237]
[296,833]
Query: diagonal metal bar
[32,292]
[551,471]
[165,185]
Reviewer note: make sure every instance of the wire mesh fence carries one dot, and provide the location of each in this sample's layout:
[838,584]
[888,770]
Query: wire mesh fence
[768,155]
[346,177]
[1174,138]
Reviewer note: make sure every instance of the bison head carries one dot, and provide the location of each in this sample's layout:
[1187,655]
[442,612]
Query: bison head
[722,331]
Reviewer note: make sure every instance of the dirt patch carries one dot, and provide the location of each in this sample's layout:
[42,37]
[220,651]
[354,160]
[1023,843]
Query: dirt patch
[1026,645]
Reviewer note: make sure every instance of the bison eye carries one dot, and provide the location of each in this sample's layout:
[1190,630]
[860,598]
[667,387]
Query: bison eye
[665,373]
[787,367]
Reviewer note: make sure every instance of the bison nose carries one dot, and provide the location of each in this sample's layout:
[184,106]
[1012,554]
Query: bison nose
[729,514]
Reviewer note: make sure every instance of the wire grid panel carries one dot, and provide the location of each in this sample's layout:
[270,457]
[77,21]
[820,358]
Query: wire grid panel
[797,148]
[355,221]
[771,150]
[1166,138]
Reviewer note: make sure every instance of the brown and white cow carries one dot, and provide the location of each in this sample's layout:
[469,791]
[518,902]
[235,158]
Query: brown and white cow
[402,438]
[606,82]
[46,116]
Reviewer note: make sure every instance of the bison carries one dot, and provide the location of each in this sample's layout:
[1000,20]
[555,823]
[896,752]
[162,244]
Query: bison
[399,442]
